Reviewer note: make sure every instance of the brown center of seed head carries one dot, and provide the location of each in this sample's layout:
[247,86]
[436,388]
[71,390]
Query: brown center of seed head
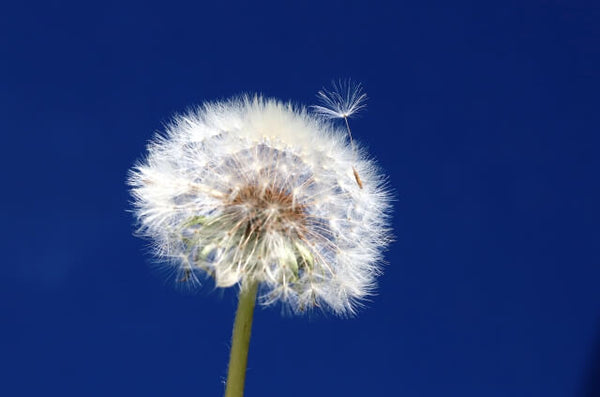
[268,209]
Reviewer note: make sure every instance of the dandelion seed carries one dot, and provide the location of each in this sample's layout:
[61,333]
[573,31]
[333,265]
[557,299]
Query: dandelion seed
[346,99]
[263,195]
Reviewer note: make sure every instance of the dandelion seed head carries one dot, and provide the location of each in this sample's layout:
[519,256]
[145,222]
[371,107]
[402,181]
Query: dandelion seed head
[256,190]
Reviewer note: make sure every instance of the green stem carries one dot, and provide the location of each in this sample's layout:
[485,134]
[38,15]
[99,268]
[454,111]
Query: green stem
[240,341]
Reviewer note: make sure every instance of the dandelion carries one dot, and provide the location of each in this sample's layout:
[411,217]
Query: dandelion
[263,195]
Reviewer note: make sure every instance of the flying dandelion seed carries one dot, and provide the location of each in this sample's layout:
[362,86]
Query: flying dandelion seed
[345,100]
[264,195]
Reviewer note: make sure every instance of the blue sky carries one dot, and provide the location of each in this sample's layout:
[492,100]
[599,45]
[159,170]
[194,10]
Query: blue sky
[485,116]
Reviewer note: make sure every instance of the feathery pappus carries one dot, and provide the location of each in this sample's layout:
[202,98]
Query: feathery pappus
[253,189]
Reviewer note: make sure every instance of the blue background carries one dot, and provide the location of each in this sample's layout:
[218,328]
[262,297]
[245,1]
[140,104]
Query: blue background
[484,115]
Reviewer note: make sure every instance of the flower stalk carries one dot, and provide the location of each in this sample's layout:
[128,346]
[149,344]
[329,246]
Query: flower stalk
[240,341]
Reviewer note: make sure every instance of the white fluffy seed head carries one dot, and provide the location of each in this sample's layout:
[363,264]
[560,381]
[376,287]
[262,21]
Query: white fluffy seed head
[255,190]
